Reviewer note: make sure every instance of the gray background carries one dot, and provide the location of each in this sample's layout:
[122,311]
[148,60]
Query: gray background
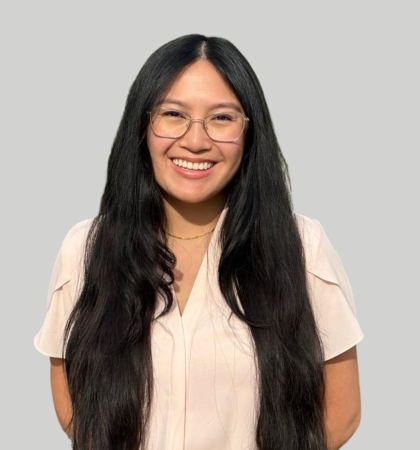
[342,83]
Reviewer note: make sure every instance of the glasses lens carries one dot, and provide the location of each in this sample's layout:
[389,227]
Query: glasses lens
[169,123]
[225,126]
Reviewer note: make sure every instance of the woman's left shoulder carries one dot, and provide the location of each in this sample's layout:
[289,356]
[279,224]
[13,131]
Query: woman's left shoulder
[330,290]
[309,228]
[312,235]
[321,257]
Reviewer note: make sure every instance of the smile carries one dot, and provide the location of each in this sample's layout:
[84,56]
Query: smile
[192,166]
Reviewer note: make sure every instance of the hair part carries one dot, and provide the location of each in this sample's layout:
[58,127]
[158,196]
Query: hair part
[127,263]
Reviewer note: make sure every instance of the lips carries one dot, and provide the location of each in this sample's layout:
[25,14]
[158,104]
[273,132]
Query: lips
[197,165]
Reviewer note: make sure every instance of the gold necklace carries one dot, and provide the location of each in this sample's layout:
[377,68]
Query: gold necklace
[189,238]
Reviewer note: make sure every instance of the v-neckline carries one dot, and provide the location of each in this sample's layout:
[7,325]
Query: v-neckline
[193,288]
[203,265]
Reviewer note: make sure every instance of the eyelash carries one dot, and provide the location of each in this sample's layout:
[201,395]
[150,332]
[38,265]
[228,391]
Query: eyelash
[175,113]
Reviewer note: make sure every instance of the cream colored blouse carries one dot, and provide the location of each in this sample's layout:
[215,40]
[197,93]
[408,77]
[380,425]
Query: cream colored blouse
[205,391]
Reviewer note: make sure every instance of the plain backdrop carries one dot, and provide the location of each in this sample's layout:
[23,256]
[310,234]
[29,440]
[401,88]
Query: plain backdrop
[342,83]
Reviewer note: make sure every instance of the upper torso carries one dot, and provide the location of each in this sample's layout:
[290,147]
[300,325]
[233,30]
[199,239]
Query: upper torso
[205,380]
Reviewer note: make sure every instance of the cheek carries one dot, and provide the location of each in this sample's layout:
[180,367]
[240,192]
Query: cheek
[154,156]
[157,149]
[237,158]
[234,163]
[151,144]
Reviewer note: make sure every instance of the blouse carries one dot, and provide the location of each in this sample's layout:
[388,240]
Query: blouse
[205,388]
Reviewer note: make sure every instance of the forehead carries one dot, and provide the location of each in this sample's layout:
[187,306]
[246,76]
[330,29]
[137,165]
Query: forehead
[200,84]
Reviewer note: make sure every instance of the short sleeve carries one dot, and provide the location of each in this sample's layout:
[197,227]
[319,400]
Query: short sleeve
[65,282]
[330,291]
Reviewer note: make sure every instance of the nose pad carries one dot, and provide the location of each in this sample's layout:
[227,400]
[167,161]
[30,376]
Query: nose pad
[196,138]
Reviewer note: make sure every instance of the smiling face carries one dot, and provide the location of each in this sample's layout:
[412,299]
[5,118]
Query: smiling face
[194,168]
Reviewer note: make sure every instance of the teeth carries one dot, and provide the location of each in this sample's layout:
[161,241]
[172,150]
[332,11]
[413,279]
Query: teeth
[192,166]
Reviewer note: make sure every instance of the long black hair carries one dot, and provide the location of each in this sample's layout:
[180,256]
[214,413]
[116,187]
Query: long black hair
[127,262]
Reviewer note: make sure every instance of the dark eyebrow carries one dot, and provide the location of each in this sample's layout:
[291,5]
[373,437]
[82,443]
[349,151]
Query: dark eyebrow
[227,105]
[172,101]
[182,104]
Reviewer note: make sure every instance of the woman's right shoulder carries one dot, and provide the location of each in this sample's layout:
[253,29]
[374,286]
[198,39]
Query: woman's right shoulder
[74,242]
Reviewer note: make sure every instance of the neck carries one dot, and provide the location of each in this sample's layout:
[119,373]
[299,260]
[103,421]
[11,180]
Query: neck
[190,219]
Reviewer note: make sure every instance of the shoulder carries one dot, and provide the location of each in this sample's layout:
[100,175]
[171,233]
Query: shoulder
[76,237]
[69,261]
[308,227]
[321,257]
[313,237]
[72,248]
[329,289]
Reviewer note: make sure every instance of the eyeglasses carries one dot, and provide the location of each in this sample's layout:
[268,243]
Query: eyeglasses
[221,126]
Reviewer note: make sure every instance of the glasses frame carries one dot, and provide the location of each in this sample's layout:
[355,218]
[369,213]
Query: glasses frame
[191,120]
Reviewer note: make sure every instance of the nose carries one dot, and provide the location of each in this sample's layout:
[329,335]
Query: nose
[196,138]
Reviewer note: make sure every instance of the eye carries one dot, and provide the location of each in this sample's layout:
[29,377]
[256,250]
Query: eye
[223,117]
[172,114]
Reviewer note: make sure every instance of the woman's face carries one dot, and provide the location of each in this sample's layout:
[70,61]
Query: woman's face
[199,91]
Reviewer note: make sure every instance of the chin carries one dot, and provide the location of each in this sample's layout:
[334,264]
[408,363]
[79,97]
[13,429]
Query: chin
[194,198]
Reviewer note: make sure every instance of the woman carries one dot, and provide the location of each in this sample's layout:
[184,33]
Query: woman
[198,310]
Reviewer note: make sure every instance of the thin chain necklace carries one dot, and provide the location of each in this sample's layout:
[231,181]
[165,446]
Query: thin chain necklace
[189,238]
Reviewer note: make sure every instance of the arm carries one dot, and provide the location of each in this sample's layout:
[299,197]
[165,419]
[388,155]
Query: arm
[342,409]
[61,397]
